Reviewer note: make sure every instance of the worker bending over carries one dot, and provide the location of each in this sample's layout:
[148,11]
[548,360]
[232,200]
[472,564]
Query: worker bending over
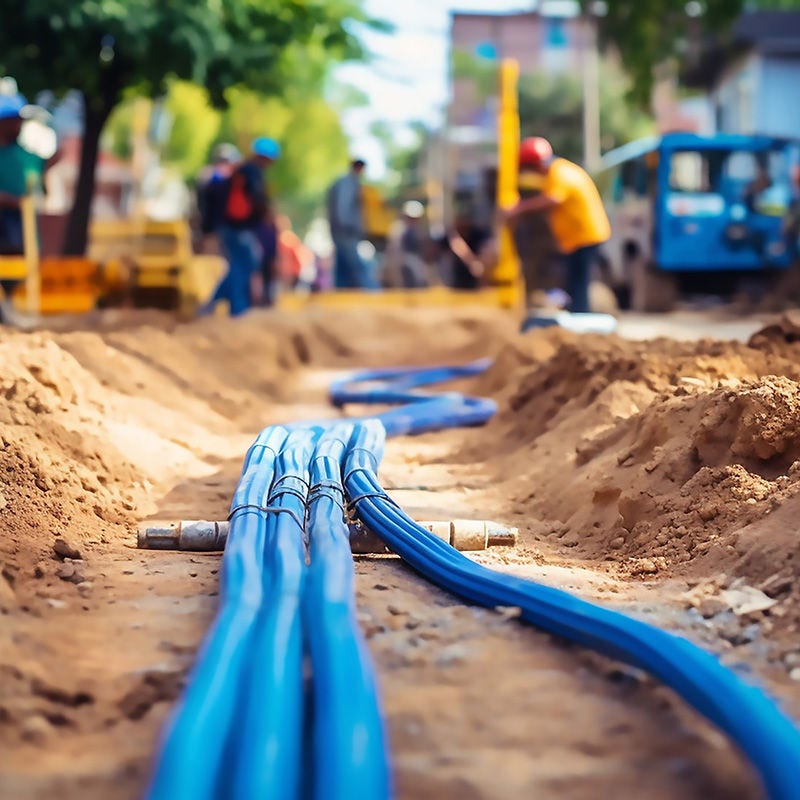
[576,216]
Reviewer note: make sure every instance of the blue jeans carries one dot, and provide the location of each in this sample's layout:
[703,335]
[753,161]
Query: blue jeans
[243,252]
[349,271]
[579,272]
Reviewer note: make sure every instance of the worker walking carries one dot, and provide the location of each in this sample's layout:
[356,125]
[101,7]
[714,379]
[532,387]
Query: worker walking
[346,220]
[246,211]
[577,219]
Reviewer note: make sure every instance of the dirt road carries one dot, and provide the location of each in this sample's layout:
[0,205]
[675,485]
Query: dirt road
[660,478]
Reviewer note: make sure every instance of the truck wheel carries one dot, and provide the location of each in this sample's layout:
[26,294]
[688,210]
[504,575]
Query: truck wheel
[651,289]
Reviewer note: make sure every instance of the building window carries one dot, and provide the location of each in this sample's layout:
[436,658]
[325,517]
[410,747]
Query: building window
[555,33]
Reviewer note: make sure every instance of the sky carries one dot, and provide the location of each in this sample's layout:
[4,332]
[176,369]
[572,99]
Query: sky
[407,80]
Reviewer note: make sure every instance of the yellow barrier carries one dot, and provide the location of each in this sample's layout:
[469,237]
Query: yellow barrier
[433,297]
[25,267]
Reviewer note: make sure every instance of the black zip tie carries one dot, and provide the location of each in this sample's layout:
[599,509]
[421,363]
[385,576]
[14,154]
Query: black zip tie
[278,491]
[353,501]
[316,493]
[326,484]
[268,510]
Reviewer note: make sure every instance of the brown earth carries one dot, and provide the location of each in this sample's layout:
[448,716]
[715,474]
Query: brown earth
[658,477]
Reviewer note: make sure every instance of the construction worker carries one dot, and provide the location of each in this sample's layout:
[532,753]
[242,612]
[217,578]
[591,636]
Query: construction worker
[21,171]
[577,219]
[212,189]
[246,211]
[346,219]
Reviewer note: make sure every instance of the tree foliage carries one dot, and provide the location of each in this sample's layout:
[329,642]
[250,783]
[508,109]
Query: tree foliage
[551,104]
[648,33]
[103,47]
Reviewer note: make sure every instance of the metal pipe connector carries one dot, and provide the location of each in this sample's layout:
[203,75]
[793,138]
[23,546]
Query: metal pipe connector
[210,536]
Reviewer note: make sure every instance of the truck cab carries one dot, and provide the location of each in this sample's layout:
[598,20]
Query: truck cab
[683,204]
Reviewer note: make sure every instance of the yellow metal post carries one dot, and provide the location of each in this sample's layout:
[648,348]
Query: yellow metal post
[507,275]
[31,245]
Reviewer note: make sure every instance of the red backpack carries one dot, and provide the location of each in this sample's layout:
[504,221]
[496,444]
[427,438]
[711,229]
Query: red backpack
[239,207]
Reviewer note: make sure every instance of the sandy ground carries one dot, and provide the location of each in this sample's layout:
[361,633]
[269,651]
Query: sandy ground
[660,477]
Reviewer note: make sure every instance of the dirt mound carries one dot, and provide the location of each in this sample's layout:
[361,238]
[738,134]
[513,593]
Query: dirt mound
[658,456]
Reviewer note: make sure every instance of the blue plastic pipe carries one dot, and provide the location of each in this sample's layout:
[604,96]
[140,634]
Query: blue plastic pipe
[350,758]
[266,746]
[192,763]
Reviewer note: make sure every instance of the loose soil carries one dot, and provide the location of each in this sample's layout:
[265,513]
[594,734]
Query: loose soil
[661,478]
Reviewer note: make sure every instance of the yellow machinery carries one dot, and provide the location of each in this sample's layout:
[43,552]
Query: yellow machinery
[154,260]
[143,263]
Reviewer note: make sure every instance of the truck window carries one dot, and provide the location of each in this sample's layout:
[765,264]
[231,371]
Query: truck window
[689,172]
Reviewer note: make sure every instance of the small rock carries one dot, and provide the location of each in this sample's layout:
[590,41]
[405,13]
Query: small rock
[645,567]
[395,623]
[394,610]
[380,587]
[795,674]
[55,603]
[711,606]
[85,587]
[3,501]
[36,728]
[452,654]
[745,599]
[64,549]
[39,570]
[570,539]
[708,512]
[792,660]
[68,571]
[617,543]
[776,584]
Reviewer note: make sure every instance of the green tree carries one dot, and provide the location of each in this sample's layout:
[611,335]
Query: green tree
[103,47]
[551,105]
[194,126]
[651,32]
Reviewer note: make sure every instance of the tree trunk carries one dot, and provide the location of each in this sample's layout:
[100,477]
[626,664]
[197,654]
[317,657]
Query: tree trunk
[76,237]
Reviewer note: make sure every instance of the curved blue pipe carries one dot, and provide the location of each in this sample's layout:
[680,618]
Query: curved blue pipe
[754,723]
[350,758]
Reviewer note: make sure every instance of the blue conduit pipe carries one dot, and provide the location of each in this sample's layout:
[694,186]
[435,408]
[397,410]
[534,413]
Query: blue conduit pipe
[753,721]
[239,730]
[192,764]
[266,747]
[349,749]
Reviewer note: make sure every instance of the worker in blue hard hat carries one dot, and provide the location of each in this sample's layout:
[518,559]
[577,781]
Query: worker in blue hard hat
[21,172]
[245,229]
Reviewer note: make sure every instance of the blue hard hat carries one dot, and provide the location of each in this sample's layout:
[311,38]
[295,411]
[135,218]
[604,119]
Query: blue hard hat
[266,148]
[11,105]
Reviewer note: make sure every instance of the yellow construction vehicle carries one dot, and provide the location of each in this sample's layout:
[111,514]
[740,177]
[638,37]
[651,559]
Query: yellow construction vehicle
[129,262]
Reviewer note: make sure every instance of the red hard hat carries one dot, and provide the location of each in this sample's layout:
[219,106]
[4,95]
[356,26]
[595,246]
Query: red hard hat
[535,152]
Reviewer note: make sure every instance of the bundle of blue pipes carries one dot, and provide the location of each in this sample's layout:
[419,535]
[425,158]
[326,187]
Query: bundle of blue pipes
[282,702]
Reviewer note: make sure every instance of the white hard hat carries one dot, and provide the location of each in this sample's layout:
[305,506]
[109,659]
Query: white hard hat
[413,209]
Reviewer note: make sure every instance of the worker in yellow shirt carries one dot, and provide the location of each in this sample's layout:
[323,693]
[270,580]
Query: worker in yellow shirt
[577,219]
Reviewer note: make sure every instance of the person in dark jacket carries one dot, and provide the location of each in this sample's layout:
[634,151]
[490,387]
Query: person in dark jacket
[247,206]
